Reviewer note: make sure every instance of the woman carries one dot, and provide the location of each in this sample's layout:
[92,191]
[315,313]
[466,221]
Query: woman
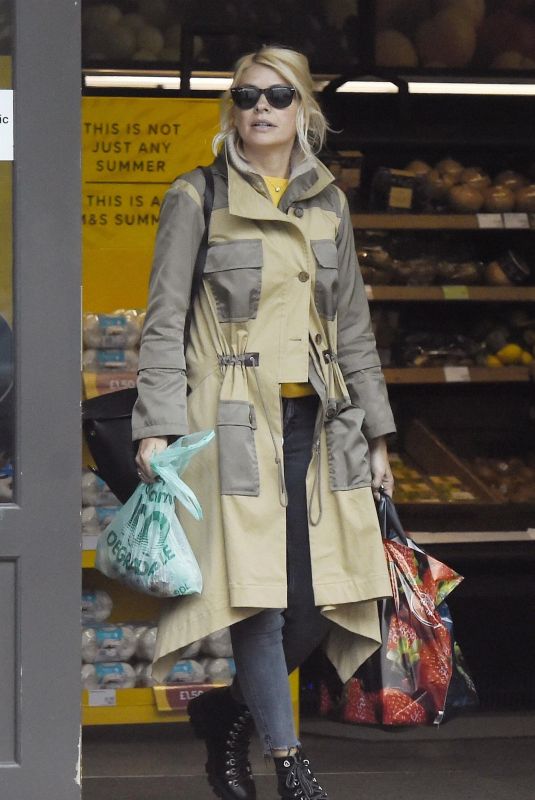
[282,362]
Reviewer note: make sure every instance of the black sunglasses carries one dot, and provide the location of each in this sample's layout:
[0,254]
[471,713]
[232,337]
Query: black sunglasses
[246,97]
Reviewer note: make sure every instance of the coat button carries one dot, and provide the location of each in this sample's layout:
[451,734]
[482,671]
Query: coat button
[330,412]
[298,211]
[318,338]
[303,277]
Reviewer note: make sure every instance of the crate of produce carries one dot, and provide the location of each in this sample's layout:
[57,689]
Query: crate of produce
[427,471]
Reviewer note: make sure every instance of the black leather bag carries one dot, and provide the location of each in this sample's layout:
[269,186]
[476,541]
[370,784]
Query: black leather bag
[107,419]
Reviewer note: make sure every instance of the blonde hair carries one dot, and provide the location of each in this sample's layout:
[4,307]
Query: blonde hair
[293,67]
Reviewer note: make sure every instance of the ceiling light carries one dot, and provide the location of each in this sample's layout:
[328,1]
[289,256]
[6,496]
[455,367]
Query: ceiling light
[458,87]
[132,81]
[369,87]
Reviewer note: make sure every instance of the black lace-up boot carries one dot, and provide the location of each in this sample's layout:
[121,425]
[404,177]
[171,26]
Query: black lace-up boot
[226,727]
[296,780]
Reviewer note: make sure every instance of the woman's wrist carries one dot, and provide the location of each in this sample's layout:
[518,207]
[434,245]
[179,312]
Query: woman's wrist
[377,443]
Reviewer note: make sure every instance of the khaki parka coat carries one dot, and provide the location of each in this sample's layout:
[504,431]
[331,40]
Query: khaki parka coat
[282,300]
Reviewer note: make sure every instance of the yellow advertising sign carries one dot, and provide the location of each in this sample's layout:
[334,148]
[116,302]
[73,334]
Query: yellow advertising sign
[132,149]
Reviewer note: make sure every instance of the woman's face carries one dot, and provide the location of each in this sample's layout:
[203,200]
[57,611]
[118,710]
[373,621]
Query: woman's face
[263,125]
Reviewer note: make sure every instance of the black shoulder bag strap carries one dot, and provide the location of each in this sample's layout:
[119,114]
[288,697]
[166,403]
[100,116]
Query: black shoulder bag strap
[200,261]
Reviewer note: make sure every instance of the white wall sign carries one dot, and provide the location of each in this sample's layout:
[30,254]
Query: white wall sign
[6,125]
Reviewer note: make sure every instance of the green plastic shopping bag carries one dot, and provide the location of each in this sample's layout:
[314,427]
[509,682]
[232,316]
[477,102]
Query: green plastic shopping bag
[145,546]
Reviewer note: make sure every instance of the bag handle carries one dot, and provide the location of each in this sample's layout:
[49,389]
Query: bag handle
[200,260]
[388,517]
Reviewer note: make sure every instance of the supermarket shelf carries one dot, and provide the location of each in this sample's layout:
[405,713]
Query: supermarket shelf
[487,294]
[505,520]
[97,383]
[125,707]
[449,222]
[161,704]
[88,559]
[470,537]
[407,375]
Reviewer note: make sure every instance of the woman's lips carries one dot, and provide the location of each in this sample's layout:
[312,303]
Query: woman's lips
[263,124]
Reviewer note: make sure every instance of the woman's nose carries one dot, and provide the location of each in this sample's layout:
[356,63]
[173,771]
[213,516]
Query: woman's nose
[262,104]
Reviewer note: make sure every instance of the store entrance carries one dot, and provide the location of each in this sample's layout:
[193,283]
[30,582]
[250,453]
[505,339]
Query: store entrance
[39,400]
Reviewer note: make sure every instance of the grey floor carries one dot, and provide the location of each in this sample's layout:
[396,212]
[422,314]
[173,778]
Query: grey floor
[483,756]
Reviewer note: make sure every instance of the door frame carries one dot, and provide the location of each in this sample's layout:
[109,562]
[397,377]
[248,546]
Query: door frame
[40,530]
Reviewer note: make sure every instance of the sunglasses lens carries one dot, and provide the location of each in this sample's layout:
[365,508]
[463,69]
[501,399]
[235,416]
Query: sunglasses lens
[245,97]
[280,96]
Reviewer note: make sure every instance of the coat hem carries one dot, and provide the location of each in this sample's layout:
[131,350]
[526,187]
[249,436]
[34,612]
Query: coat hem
[376,587]
[173,641]
[259,596]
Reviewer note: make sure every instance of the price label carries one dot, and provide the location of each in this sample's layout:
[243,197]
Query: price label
[457,374]
[455,293]
[516,220]
[490,220]
[102,697]
[6,125]
[89,541]
[369,291]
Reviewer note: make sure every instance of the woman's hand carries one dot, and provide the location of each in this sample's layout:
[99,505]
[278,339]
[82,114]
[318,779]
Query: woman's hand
[146,449]
[380,467]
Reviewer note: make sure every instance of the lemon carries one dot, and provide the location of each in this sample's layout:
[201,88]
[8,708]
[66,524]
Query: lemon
[510,354]
[526,358]
[492,361]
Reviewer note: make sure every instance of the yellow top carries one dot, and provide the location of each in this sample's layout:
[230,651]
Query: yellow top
[277,187]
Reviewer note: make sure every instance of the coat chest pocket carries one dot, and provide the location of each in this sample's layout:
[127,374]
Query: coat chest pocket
[326,296]
[238,464]
[349,466]
[234,273]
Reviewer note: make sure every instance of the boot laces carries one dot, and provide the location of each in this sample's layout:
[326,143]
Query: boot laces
[237,747]
[301,781]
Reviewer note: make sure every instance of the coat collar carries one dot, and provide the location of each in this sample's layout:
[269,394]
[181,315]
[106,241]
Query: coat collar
[248,195]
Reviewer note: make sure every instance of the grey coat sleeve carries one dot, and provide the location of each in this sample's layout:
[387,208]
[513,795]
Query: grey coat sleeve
[161,406]
[357,352]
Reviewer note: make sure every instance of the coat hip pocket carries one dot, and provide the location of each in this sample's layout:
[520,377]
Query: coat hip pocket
[238,463]
[347,447]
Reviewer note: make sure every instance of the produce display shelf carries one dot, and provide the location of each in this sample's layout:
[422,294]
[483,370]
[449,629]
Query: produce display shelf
[470,537]
[88,559]
[124,707]
[97,383]
[486,294]
[449,222]
[407,375]
[161,704]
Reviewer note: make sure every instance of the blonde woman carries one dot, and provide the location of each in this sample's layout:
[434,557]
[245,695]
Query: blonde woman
[282,363]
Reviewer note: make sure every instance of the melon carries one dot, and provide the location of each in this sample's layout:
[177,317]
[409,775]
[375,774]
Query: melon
[394,49]
[498,198]
[473,9]
[475,177]
[449,37]
[448,166]
[465,198]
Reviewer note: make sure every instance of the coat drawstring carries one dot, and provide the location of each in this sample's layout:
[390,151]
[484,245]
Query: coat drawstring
[316,465]
[283,494]
[316,486]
